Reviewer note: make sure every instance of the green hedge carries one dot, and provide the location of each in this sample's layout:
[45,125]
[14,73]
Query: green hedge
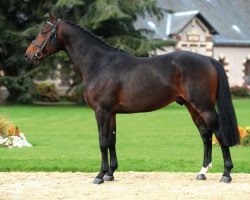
[238,91]
[45,92]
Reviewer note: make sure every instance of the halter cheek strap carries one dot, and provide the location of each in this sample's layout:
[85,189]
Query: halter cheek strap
[52,34]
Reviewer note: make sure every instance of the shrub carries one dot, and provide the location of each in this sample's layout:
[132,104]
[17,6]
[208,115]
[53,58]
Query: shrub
[243,134]
[45,92]
[77,94]
[239,91]
[4,126]
[248,130]
[246,141]
[7,128]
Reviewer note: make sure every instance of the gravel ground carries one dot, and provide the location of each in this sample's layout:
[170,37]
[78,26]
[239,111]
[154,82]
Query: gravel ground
[127,185]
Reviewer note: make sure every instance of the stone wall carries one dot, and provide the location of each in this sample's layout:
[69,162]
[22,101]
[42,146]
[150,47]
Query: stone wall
[235,58]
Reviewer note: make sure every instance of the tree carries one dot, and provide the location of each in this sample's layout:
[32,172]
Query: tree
[110,19]
[113,21]
[19,21]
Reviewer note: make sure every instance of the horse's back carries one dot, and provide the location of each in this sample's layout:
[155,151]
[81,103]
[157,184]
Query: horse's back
[133,84]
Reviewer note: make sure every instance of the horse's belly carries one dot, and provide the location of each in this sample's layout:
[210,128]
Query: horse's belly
[144,101]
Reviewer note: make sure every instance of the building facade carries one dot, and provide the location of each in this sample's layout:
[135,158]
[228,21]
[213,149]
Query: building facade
[204,27]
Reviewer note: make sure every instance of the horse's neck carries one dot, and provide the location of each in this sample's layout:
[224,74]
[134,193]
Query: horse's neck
[84,55]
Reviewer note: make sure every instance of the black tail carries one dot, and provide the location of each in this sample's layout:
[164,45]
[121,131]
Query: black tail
[228,132]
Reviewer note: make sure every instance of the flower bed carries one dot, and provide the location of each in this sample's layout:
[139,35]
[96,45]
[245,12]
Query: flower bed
[244,134]
[14,141]
[11,136]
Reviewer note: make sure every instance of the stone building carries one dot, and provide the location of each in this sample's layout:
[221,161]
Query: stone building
[216,28]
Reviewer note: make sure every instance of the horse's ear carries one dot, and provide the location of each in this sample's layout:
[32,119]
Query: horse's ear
[52,16]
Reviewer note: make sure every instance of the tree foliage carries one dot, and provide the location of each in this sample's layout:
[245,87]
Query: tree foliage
[19,24]
[110,19]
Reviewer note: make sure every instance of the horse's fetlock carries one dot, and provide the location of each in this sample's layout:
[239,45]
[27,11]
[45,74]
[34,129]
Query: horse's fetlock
[229,165]
[114,165]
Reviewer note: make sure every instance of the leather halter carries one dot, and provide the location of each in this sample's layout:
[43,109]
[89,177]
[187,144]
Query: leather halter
[52,34]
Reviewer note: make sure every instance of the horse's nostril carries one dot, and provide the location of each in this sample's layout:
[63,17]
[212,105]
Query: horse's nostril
[26,57]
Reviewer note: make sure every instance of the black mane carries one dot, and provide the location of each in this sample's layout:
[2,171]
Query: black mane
[95,37]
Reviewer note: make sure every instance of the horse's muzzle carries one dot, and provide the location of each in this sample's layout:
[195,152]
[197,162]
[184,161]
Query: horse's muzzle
[35,58]
[26,57]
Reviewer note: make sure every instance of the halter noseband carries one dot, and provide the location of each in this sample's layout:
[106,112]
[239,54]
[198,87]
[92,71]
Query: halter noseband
[52,34]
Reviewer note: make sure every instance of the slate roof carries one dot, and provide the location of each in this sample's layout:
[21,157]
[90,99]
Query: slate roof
[157,27]
[177,23]
[227,20]
[179,20]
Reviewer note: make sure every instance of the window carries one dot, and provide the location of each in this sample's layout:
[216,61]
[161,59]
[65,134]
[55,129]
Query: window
[193,37]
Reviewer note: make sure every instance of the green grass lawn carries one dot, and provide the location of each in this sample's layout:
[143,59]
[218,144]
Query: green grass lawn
[66,139]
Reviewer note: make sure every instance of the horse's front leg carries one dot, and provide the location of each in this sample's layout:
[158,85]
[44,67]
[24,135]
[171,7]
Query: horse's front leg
[112,151]
[103,123]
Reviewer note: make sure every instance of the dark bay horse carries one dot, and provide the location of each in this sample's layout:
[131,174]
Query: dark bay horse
[116,82]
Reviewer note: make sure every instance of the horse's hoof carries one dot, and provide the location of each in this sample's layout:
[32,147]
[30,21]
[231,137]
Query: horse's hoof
[108,177]
[226,179]
[98,181]
[201,177]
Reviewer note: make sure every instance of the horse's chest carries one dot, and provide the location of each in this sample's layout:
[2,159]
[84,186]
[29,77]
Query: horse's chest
[87,99]
[101,95]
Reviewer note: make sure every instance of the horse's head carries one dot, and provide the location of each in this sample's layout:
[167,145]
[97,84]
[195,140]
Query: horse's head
[46,43]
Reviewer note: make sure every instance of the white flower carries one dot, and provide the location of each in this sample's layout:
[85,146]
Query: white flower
[14,141]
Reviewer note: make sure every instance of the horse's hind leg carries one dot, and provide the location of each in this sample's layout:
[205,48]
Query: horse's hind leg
[206,135]
[228,165]
[112,151]
[211,119]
